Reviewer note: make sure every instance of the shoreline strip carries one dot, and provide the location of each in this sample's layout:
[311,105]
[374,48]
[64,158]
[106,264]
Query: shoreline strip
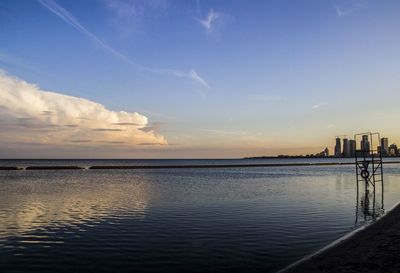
[194,166]
[370,248]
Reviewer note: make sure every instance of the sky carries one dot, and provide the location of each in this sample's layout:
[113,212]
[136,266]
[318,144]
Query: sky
[195,79]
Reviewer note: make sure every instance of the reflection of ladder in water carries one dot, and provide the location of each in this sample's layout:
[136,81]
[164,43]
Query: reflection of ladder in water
[369,167]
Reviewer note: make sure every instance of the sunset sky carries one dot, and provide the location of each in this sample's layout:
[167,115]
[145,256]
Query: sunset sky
[195,79]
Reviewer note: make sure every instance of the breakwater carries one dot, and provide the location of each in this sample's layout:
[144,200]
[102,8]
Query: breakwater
[183,166]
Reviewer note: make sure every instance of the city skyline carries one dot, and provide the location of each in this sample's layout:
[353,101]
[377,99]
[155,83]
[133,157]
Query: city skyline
[346,147]
[194,79]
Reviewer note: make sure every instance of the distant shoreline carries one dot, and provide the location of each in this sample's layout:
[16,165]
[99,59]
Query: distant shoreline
[304,157]
[186,166]
[179,159]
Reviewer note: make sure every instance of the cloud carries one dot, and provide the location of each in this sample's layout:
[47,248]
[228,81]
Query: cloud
[160,115]
[72,119]
[149,144]
[340,12]
[156,126]
[116,142]
[81,141]
[9,60]
[191,74]
[319,105]
[348,7]
[128,15]
[126,123]
[107,130]
[71,20]
[208,22]
[194,76]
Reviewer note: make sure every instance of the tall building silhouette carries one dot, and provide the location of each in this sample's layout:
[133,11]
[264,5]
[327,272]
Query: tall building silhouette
[384,146]
[338,147]
[346,148]
[365,145]
[352,144]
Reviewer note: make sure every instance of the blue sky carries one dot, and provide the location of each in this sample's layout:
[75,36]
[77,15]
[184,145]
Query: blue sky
[213,78]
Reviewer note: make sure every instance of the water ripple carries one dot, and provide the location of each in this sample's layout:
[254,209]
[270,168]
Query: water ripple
[220,220]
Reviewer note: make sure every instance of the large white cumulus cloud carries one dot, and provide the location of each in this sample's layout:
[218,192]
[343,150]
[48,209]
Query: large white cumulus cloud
[31,115]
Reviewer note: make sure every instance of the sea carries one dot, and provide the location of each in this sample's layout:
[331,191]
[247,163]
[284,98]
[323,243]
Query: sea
[238,219]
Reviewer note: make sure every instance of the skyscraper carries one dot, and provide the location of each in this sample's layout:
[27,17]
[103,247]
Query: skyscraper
[338,147]
[346,148]
[326,152]
[365,145]
[352,144]
[384,146]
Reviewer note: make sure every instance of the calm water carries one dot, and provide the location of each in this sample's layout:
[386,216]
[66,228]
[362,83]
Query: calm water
[178,220]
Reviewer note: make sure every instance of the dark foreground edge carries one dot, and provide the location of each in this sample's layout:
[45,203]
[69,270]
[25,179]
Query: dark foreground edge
[371,248]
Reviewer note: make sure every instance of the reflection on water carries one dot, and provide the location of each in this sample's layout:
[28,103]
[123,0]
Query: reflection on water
[36,201]
[219,220]
[369,203]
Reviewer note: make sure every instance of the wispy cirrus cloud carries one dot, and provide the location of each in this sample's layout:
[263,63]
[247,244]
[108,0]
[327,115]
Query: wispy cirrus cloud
[345,8]
[10,60]
[209,20]
[128,16]
[67,119]
[319,105]
[191,74]
[339,11]
[71,20]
